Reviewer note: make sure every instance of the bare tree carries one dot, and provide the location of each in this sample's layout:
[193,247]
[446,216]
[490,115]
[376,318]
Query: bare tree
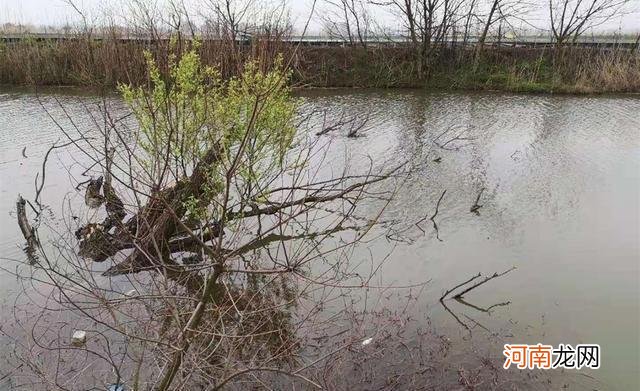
[236,24]
[348,20]
[469,16]
[502,11]
[233,17]
[408,13]
[489,21]
[570,18]
[145,18]
[428,23]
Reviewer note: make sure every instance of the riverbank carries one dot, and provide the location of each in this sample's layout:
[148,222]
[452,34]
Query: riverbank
[105,64]
[570,70]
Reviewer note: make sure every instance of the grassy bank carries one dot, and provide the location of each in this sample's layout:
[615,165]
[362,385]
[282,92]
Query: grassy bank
[106,63]
[569,70]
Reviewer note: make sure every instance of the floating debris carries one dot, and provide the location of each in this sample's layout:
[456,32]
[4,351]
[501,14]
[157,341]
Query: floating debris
[79,338]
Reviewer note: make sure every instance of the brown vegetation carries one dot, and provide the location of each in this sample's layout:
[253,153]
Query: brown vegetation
[106,63]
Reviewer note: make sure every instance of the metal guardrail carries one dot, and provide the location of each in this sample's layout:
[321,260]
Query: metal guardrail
[531,41]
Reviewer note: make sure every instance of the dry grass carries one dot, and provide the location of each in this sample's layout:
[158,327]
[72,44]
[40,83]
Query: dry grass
[617,72]
[107,62]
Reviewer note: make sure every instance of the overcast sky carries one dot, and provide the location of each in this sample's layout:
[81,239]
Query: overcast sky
[57,13]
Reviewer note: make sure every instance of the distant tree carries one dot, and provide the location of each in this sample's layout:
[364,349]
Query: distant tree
[348,20]
[470,16]
[570,18]
[428,23]
[502,11]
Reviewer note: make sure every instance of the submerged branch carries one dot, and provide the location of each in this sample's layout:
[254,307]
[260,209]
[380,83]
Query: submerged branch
[477,308]
[475,207]
[435,226]
[458,286]
[487,279]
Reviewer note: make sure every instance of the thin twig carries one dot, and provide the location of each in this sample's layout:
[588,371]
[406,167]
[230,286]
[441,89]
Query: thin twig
[44,170]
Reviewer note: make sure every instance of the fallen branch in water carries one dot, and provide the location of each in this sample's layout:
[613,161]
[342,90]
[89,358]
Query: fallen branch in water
[457,137]
[478,324]
[459,285]
[454,316]
[435,226]
[458,298]
[432,218]
[355,128]
[487,279]
[477,308]
[328,128]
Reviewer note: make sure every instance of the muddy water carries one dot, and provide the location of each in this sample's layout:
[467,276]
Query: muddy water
[561,202]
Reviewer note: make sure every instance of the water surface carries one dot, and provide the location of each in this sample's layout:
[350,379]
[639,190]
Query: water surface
[561,202]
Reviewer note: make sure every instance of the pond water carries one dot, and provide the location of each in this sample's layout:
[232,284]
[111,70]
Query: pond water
[559,185]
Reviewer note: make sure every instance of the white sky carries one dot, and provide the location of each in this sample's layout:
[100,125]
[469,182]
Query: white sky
[58,13]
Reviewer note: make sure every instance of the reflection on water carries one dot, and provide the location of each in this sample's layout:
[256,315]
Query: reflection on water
[559,186]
